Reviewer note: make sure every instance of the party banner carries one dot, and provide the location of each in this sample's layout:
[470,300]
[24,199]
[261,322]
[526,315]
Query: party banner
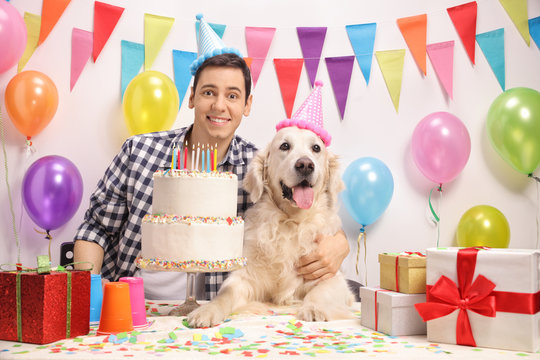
[311,41]
[339,71]
[258,40]
[219,29]
[81,50]
[288,73]
[464,19]
[534,30]
[33,24]
[51,11]
[156,30]
[391,64]
[517,10]
[105,19]
[182,76]
[132,61]
[414,31]
[492,45]
[442,58]
[248,61]
[362,38]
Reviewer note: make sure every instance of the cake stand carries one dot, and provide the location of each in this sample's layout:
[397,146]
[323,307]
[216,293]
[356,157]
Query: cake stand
[190,303]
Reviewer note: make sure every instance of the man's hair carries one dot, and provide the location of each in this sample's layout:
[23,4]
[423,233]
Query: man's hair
[226,60]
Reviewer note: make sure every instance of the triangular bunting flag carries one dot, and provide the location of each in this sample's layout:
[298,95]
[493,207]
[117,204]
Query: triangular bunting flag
[81,49]
[442,57]
[414,30]
[258,40]
[311,42]
[182,76]
[288,73]
[492,45]
[132,61]
[517,10]
[362,38]
[33,24]
[248,61]
[534,29]
[464,19]
[156,29]
[105,19]
[219,29]
[340,70]
[391,64]
[51,11]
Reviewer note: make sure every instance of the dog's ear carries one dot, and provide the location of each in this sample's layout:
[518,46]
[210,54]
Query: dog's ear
[255,177]
[334,183]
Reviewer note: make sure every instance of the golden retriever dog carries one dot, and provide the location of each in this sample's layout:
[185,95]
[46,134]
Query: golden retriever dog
[294,185]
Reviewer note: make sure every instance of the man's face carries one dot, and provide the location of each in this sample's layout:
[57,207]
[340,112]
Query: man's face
[219,102]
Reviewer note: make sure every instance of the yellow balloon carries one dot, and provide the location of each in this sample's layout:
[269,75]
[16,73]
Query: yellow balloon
[150,103]
[483,225]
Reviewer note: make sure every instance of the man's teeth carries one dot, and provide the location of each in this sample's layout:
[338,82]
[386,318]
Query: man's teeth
[217,120]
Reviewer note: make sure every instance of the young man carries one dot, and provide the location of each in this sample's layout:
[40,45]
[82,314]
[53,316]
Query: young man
[110,235]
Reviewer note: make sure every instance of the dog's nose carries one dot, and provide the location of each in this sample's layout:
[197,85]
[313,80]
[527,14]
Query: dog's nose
[304,166]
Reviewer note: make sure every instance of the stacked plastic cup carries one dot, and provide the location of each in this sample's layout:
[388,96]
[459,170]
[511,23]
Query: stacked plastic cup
[115,309]
[96,298]
[136,294]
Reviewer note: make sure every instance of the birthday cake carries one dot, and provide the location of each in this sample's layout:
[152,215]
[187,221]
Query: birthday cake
[193,226]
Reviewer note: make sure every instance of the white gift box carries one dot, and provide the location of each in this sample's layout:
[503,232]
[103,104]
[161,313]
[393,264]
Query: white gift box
[515,320]
[394,313]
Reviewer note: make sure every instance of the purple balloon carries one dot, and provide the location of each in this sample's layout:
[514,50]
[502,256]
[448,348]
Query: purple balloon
[52,191]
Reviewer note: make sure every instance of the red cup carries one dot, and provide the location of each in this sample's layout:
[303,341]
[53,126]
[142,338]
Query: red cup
[136,295]
[115,309]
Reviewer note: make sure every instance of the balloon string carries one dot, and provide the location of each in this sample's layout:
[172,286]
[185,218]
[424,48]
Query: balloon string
[537,210]
[534,177]
[365,257]
[435,216]
[361,235]
[47,236]
[14,223]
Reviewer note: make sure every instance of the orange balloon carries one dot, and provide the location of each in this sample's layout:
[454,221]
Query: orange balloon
[31,101]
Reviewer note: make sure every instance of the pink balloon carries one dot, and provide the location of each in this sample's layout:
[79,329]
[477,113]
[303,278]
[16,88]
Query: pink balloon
[12,36]
[441,146]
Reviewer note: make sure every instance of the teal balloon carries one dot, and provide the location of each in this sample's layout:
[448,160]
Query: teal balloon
[369,187]
[513,127]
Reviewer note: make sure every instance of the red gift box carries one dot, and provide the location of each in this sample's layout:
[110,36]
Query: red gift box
[48,310]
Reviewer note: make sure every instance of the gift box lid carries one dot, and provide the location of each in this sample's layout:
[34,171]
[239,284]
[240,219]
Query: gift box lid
[391,298]
[411,260]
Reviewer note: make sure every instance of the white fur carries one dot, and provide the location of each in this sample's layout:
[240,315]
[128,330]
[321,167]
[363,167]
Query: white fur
[278,233]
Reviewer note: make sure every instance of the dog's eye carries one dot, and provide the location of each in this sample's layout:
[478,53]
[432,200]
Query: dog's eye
[285,146]
[316,148]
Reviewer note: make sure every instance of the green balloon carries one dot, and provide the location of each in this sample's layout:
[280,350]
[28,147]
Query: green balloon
[513,125]
[483,225]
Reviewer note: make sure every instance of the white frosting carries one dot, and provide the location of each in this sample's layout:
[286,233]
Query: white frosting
[194,225]
[194,193]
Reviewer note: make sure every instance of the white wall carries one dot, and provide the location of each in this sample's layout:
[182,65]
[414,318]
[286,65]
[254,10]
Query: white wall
[89,129]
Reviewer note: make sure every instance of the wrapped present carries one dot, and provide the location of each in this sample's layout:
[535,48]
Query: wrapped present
[391,312]
[42,308]
[483,297]
[403,272]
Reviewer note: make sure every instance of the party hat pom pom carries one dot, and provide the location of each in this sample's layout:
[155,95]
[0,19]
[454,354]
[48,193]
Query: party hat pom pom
[199,16]
[318,83]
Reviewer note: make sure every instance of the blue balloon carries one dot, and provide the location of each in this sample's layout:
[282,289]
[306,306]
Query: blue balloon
[369,186]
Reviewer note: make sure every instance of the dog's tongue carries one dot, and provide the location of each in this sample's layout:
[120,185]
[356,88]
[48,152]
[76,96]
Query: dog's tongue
[303,196]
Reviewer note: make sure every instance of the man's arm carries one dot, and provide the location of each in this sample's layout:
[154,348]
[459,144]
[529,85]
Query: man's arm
[324,262]
[89,252]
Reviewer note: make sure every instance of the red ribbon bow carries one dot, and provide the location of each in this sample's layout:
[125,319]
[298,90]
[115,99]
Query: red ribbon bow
[445,297]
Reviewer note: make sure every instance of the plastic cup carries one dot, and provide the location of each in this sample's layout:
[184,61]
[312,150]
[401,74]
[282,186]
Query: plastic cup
[96,298]
[115,309]
[136,294]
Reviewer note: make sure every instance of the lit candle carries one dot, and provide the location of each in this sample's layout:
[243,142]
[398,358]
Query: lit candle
[208,169]
[192,157]
[172,159]
[197,158]
[185,156]
[212,157]
[202,159]
[215,158]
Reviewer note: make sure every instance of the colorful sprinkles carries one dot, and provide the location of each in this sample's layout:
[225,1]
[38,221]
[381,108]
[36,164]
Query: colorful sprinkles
[189,220]
[191,265]
[194,174]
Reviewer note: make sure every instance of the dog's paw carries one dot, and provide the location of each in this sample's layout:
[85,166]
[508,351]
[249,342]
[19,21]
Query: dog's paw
[309,312]
[206,316]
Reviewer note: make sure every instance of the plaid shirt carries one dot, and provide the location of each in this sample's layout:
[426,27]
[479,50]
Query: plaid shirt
[124,195]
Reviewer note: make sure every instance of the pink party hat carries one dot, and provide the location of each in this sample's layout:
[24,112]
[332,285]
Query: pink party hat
[209,44]
[309,116]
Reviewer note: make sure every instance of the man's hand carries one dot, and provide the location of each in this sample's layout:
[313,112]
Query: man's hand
[324,262]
